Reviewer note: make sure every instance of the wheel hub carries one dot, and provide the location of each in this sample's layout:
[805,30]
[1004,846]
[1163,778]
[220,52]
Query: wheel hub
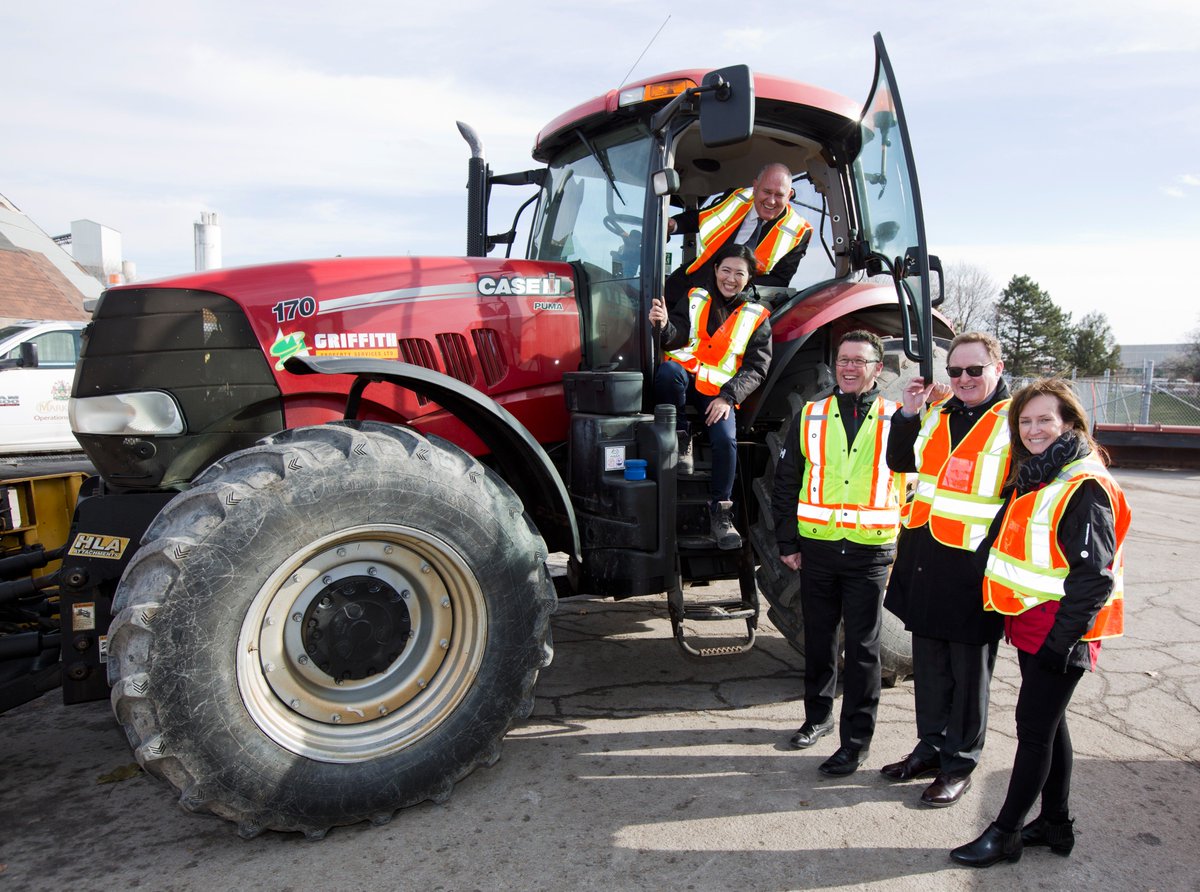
[360,642]
[356,627]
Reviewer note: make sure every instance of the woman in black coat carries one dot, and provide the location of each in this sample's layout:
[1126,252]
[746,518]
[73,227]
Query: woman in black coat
[1059,587]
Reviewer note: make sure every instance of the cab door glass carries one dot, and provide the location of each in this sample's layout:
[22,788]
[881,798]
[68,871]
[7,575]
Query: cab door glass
[889,203]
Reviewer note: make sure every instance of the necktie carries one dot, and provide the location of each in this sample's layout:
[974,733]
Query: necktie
[756,235]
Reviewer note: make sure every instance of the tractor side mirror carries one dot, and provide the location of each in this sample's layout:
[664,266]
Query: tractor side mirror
[727,106]
[665,181]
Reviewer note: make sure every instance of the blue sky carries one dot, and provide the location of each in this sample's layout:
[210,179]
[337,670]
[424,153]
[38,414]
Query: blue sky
[1052,140]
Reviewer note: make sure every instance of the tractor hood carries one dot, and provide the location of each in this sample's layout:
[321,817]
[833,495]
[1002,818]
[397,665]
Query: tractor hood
[216,344]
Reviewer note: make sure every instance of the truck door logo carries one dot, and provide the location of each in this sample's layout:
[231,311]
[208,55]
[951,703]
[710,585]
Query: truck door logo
[93,545]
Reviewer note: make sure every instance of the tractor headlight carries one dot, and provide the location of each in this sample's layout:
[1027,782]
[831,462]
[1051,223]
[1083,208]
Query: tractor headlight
[149,413]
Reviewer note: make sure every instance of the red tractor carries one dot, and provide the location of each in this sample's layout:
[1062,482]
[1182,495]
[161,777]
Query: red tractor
[313,563]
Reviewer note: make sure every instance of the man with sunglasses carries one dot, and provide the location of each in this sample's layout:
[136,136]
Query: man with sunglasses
[959,448]
[837,511]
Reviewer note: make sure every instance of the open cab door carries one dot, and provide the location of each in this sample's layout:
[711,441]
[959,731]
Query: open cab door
[889,201]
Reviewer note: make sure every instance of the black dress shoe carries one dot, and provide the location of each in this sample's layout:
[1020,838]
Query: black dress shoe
[994,846]
[946,790]
[910,767]
[845,761]
[1058,835]
[810,733]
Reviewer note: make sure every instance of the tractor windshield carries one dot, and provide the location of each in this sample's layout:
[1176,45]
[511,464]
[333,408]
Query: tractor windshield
[592,212]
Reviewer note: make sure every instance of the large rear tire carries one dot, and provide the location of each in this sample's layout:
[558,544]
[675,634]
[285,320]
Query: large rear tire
[337,623]
[781,585]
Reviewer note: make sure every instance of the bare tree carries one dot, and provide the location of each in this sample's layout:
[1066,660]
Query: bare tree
[1186,362]
[970,298]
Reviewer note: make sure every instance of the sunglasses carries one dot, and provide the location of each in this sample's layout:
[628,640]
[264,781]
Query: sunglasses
[975,371]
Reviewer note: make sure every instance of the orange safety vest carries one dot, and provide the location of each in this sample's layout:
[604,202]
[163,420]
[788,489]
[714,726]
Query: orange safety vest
[715,359]
[958,490]
[848,492]
[722,220]
[1026,566]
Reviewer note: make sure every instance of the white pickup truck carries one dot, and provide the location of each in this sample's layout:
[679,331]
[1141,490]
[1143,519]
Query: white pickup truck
[37,365]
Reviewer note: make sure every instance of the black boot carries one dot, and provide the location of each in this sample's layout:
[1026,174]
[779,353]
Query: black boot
[995,845]
[687,464]
[1058,835]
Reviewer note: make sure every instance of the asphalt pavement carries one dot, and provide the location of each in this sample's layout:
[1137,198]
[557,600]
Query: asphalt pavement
[640,769]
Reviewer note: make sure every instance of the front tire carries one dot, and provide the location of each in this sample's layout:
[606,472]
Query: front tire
[337,623]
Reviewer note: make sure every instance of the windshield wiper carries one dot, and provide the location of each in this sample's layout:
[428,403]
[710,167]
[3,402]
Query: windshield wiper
[602,160]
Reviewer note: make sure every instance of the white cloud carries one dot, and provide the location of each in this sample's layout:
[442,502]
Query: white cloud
[1189,179]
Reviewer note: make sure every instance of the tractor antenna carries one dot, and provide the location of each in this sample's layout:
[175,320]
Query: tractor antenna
[625,79]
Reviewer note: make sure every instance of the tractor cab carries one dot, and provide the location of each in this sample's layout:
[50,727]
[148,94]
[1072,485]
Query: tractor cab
[617,167]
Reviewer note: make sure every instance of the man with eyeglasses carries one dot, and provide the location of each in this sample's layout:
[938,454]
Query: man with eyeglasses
[959,448]
[836,507]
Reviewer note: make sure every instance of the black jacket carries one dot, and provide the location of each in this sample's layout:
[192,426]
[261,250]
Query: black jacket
[789,475]
[755,361]
[936,590]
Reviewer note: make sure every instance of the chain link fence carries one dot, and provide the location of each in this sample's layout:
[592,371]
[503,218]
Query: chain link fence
[1136,399]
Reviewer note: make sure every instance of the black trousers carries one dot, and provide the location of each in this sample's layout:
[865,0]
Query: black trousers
[950,687]
[838,586]
[1044,754]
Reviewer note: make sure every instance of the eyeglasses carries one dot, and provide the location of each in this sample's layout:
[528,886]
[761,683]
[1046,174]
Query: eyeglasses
[858,363]
[974,371]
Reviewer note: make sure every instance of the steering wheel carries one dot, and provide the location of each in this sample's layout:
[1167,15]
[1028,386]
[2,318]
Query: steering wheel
[612,223]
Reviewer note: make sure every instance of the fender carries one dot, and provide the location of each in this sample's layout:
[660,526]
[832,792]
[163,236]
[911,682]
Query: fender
[519,458]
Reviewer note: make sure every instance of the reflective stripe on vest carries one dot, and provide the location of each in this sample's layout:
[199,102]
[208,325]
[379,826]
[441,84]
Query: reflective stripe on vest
[722,221]
[847,491]
[715,359]
[1026,566]
[958,490]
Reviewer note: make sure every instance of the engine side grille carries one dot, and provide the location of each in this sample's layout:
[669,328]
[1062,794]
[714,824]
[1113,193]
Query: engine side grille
[418,351]
[491,357]
[457,357]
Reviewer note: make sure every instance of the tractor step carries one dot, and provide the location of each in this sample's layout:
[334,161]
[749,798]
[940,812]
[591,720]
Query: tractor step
[744,610]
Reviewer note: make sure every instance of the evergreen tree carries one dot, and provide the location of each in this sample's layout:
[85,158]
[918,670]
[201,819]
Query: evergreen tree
[1034,332]
[1094,349]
